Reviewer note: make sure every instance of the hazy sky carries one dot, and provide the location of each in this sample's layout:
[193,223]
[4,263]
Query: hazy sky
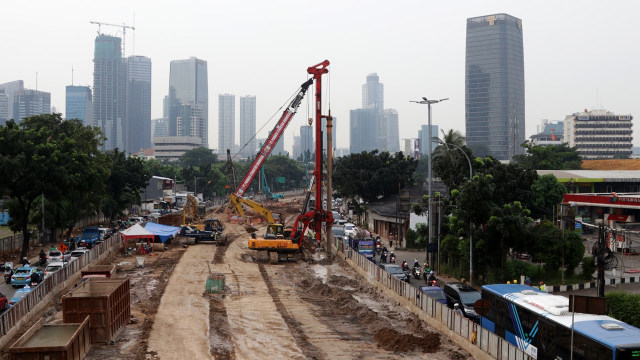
[577,54]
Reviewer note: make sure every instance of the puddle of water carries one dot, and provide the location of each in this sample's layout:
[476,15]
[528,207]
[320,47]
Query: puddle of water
[51,336]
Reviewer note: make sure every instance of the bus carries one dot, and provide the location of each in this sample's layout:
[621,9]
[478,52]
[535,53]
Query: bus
[539,324]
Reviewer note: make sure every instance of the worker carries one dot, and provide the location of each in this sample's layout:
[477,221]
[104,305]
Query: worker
[543,287]
[456,309]
[508,282]
[515,281]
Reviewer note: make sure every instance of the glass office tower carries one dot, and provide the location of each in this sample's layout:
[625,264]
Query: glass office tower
[138,103]
[494,86]
[188,85]
[79,104]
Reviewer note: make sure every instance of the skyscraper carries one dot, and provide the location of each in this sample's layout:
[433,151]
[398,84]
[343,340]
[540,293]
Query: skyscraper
[8,89]
[494,86]
[248,125]
[306,142]
[373,93]
[188,85]
[79,104]
[226,123]
[109,91]
[278,148]
[391,130]
[138,103]
[364,125]
[30,102]
[423,137]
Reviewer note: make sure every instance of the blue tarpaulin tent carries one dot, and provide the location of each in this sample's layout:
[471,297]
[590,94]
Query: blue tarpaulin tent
[163,231]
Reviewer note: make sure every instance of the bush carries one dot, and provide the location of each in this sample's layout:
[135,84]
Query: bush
[588,267]
[411,238]
[624,307]
[513,270]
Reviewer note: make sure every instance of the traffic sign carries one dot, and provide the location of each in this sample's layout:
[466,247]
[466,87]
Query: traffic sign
[482,307]
[63,248]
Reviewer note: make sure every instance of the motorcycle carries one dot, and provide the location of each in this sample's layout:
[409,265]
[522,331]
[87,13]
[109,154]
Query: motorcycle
[407,275]
[8,272]
[378,248]
[392,259]
[432,283]
[43,260]
[383,257]
[404,265]
[416,272]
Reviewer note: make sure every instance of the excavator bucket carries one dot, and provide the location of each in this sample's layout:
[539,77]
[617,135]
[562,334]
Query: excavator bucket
[250,229]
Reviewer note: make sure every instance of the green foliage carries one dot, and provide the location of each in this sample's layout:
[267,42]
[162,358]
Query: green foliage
[198,157]
[513,270]
[624,307]
[588,267]
[370,175]
[547,245]
[128,176]
[411,238]
[548,192]
[282,166]
[550,157]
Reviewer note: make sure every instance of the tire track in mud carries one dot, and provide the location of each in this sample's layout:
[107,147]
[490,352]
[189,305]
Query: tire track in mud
[220,343]
[295,328]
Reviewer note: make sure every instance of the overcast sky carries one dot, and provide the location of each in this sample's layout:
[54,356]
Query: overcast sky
[577,54]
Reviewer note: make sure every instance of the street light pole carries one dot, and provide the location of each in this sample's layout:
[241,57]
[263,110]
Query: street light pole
[429,176]
[470,223]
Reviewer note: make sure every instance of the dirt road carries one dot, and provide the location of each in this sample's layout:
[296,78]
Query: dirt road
[182,322]
[284,311]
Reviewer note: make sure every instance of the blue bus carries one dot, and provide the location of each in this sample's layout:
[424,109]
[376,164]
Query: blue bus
[539,324]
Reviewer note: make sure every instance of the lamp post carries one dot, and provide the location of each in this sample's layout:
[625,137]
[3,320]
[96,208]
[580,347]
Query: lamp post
[470,223]
[428,103]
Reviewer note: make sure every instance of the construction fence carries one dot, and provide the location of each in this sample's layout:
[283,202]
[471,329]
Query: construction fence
[472,334]
[18,311]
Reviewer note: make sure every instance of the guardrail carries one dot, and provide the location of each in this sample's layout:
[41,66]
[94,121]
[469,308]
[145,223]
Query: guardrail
[473,334]
[15,313]
[10,244]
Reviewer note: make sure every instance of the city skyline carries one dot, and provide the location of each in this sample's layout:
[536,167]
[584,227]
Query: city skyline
[427,56]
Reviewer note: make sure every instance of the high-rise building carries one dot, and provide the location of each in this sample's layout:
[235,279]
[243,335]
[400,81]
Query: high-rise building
[494,86]
[79,104]
[8,89]
[248,125]
[188,85]
[4,107]
[138,70]
[423,137]
[30,102]
[297,147]
[109,91]
[391,131]
[159,127]
[226,122]
[306,142]
[373,93]
[364,125]
[599,134]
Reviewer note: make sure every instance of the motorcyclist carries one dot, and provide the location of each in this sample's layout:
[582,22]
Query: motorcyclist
[432,278]
[383,256]
[392,257]
[416,263]
[42,256]
[25,261]
[405,266]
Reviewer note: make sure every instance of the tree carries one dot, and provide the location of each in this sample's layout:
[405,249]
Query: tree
[128,176]
[549,246]
[549,157]
[198,157]
[370,175]
[44,155]
[283,166]
[506,229]
[548,192]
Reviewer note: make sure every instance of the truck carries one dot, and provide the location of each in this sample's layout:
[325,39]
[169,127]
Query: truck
[211,232]
[98,271]
[90,237]
[367,248]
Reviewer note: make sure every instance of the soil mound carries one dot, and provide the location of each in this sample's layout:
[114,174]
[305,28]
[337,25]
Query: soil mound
[392,340]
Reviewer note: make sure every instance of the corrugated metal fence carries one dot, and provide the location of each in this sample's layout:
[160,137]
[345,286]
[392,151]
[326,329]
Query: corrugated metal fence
[14,314]
[495,346]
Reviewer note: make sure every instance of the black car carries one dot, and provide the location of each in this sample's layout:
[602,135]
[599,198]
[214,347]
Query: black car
[464,295]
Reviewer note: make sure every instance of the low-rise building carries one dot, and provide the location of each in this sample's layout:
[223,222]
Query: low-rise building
[549,133]
[599,134]
[171,148]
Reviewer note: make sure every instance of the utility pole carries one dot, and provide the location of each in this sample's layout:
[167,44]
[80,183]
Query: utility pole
[600,259]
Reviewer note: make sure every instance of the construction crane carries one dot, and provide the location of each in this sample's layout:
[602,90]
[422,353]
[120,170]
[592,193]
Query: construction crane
[124,32]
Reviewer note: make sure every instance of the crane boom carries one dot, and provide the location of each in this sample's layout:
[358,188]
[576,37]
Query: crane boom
[273,138]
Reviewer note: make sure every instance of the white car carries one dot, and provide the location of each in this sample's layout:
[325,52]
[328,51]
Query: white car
[77,253]
[350,229]
[57,255]
[53,267]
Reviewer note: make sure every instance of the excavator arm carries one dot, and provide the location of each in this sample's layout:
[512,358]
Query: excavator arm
[237,205]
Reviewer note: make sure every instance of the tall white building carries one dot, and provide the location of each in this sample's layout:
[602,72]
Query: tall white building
[138,94]
[373,93]
[391,130]
[189,93]
[226,122]
[248,125]
[599,134]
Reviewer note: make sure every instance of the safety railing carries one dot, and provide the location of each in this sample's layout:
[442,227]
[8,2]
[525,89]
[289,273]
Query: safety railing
[471,332]
[15,313]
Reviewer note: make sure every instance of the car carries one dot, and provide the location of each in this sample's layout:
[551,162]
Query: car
[341,222]
[53,267]
[19,294]
[337,231]
[435,292]
[57,255]
[350,229]
[336,216]
[104,232]
[464,295]
[77,253]
[24,276]
[394,270]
